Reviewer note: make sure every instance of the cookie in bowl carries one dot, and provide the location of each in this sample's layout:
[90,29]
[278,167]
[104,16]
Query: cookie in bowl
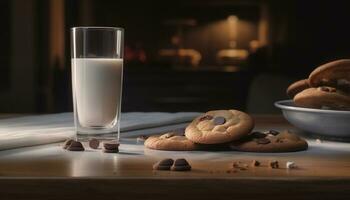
[219,126]
[334,74]
[323,98]
[297,87]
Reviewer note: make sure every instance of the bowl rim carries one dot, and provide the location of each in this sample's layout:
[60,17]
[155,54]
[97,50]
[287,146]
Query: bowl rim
[281,105]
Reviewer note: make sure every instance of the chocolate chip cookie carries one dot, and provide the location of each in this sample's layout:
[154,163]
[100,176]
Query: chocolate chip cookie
[323,98]
[219,126]
[285,141]
[334,74]
[297,87]
[170,142]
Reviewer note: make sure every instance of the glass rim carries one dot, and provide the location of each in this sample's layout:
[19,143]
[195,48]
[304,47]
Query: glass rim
[97,28]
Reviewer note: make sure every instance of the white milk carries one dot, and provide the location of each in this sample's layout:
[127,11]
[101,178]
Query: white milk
[97,86]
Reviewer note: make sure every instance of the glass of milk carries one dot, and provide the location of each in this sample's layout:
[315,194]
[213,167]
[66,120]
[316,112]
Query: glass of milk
[97,78]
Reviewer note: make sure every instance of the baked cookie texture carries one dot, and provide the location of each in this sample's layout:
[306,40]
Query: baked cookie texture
[297,87]
[334,74]
[169,142]
[219,126]
[285,141]
[323,98]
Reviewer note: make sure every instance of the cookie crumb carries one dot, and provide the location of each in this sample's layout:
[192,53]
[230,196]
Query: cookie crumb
[255,163]
[274,164]
[291,165]
[239,165]
[318,141]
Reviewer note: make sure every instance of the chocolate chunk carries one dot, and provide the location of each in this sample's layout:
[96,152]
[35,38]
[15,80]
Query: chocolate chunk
[206,117]
[219,120]
[156,166]
[164,164]
[328,89]
[75,146]
[181,162]
[279,140]
[67,143]
[262,141]
[111,145]
[181,165]
[274,132]
[324,89]
[94,143]
[274,164]
[258,134]
[181,168]
[255,163]
[111,151]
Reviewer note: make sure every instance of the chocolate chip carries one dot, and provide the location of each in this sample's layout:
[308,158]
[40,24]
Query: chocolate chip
[67,143]
[75,146]
[111,151]
[324,89]
[262,141]
[258,134]
[94,143]
[156,166]
[279,140]
[274,164]
[180,162]
[181,165]
[255,163]
[206,117]
[181,168]
[111,145]
[273,132]
[328,89]
[219,120]
[166,162]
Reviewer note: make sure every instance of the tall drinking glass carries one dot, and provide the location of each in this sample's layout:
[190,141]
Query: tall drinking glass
[97,77]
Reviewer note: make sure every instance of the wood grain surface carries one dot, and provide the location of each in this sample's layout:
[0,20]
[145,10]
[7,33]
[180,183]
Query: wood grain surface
[49,172]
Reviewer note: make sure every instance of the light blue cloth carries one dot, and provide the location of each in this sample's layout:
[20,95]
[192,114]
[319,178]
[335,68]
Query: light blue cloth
[43,129]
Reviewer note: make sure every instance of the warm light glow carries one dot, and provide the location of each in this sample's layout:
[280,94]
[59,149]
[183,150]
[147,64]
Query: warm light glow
[232,21]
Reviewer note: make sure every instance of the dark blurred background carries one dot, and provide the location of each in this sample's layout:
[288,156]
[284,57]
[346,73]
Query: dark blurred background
[183,55]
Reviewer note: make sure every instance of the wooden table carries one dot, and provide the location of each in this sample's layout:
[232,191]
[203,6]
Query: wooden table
[49,172]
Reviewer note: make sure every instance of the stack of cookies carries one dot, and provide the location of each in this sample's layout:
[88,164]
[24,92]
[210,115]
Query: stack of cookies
[328,87]
[228,130]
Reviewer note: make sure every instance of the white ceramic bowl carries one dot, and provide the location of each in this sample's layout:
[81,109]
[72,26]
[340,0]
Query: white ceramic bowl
[330,123]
